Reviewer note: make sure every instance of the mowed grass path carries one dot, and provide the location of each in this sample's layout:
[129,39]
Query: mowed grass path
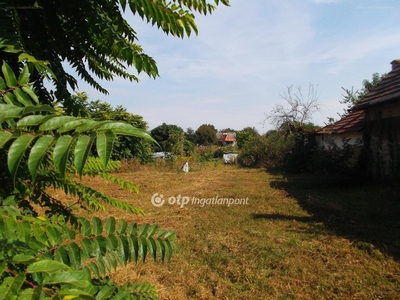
[274,247]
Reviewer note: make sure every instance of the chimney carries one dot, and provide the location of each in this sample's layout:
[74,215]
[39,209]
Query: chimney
[395,63]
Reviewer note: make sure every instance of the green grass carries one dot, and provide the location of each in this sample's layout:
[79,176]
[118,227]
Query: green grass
[296,238]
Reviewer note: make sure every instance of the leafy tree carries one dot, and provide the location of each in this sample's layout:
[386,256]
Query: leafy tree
[91,36]
[226,130]
[298,110]
[126,146]
[244,136]
[206,135]
[58,255]
[188,147]
[191,136]
[170,138]
[351,97]
[283,147]
[45,141]
[254,153]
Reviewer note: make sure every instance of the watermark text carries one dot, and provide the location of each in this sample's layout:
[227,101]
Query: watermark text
[159,200]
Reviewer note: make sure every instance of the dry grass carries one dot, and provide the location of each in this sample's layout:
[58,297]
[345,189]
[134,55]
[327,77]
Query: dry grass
[278,246]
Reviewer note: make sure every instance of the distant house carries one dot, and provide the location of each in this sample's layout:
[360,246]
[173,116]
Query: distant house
[375,122]
[382,124]
[226,138]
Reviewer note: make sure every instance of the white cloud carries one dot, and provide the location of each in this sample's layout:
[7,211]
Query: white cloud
[246,54]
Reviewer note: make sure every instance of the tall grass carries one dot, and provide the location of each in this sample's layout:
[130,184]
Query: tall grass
[293,240]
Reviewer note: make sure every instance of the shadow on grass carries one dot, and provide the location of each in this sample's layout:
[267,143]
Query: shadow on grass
[281,217]
[363,214]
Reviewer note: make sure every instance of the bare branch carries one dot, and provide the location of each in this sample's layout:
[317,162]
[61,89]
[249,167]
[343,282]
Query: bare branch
[298,109]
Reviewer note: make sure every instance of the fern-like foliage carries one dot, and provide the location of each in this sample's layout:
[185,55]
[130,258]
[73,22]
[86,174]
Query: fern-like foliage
[45,148]
[58,255]
[45,259]
[92,36]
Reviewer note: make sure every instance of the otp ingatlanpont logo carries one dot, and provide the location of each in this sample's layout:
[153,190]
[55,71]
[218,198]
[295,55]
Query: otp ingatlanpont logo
[157,200]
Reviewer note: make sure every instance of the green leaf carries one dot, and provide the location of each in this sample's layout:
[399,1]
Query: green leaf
[72,125]
[74,255]
[152,230]
[91,125]
[61,255]
[105,292]
[53,236]
[101,245]
[47,266]
[110,225]
[23,258]
[5,136]
[161,248]
[122,226]
[9,75]
[55,123]
[33,120]
[121,128]
[39,108]
[11,286]
[38,151]
[106,263]
[112,242]
[82,150]
[87,248]
[78,294]
[16,152]
[104,144]
[143,229]
[31,93]
[121,253]
[3,85]
[3,267]
[151,246]
[22,97]
[102,268]
[168,249]
[10,98]
[94,269]
[61,153]
[97,226]
[79,279]
[27,294]
[86,229]
[123,4]
[113,260]
[134,248]
[9,112]
[24,75]
[142,248]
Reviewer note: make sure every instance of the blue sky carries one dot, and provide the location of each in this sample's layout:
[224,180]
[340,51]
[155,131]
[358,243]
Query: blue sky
[245,56]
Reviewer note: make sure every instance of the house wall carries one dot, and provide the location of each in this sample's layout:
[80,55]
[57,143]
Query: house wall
[324,140]
[383,134]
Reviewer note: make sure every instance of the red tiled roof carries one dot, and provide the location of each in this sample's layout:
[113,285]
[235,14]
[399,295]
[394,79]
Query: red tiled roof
[226,138]
[387,90]
[353,122]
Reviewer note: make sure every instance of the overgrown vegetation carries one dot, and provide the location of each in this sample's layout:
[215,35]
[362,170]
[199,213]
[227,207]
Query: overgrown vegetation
[46,250]
[296,238]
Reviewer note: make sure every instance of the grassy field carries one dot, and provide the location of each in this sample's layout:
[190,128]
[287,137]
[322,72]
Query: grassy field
[295,239]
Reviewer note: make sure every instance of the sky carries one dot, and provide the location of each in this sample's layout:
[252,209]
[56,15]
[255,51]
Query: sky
[236,69]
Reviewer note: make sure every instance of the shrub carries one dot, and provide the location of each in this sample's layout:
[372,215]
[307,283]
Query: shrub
[334,164]
[58,255]
[254,154]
